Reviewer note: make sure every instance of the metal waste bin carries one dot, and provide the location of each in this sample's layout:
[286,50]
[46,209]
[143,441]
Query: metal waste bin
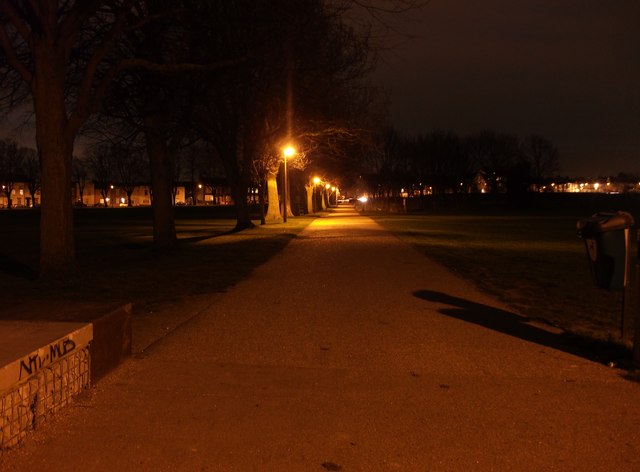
[606,238]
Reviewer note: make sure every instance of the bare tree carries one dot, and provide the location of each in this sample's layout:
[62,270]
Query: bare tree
[302,75]
[64,56]
[61,51]
[443,162]
[496,154]
[194,158]
[31,169]
[11,168]
[156,100]
[101,164]
[130,167]
[80,173]
[543,157]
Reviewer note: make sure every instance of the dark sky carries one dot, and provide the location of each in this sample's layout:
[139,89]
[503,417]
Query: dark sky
[566,69]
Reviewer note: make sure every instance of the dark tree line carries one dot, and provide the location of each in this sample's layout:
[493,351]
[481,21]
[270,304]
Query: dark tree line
[18,164]
[444,162]
[244,76]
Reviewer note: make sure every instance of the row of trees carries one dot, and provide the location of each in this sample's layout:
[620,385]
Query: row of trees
[159,75]
[104,164]
[449,163]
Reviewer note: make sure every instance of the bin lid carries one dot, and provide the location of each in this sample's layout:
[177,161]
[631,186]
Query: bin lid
[606,221]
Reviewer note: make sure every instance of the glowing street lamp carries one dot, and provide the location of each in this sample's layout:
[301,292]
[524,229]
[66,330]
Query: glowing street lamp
[316,182]
[287,152]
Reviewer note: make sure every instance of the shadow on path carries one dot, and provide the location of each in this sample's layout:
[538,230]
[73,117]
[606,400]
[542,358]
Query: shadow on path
[13,267]
[519,326]
[206,236]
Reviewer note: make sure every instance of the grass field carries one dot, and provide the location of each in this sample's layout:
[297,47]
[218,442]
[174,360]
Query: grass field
[117,264]
[533,262]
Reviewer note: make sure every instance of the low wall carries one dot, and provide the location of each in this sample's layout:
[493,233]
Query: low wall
[44,365]
[42,381]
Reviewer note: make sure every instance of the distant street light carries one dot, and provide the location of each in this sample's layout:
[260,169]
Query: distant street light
[288,152]
[316,182]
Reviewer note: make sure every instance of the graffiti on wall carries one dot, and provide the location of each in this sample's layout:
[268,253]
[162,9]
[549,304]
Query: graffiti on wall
[31,364]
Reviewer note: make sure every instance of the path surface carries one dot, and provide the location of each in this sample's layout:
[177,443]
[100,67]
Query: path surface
[348,351]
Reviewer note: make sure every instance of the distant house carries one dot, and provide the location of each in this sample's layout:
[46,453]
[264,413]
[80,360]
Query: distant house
[215,192]
[20,196]
[590,186]
[114,196]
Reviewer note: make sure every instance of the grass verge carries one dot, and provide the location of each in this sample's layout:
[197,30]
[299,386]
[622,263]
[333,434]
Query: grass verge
[534,263]
[118,264]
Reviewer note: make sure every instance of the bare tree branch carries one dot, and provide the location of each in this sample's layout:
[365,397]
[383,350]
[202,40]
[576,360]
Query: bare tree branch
[12,58]
[83,105]
[16,20]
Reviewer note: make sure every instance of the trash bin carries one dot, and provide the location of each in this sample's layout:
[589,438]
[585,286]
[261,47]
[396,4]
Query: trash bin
[606,239]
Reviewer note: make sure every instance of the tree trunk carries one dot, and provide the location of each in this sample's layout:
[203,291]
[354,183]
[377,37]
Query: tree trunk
[240,191]
[55,145]
[289,210]
[261,202]
[242,180]
[161,165]
[273,212]
[309,193]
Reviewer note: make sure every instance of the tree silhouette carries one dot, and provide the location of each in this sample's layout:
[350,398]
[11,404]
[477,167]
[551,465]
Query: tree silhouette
[543,158]
[60,54]
[101,163]
[80,173]
[11,168]
[31,172]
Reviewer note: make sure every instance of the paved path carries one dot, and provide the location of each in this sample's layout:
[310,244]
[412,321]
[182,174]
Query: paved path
[349,351]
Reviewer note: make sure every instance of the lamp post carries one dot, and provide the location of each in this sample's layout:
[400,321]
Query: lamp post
[316,183]
[288,152]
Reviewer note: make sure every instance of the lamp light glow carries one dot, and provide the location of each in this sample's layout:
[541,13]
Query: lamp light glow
[289,151]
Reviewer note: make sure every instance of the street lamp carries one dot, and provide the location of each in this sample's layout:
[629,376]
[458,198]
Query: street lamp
[288,152]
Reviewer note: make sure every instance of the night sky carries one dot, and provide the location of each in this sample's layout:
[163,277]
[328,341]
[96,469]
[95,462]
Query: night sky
[568,70]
